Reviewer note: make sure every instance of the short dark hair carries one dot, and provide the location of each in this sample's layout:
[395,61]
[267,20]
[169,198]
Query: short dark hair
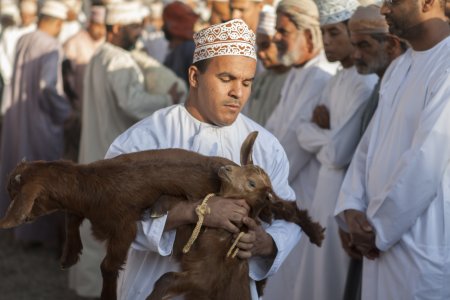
[202,65]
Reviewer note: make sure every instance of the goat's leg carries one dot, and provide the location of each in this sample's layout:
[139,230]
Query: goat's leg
[72,245]
[288,210]
[173,284]
[116,254]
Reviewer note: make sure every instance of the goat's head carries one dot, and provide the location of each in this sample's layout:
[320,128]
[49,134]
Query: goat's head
[29,198]
[249,182]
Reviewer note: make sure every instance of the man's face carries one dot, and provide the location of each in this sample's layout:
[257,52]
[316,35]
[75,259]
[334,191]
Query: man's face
[220,12]
[129,35]
[246,10]
[96,31]
[370,55]
[401,16]
[267,50]
[336,42]
[27,18]
[223,89]
[291,42]
[447,9]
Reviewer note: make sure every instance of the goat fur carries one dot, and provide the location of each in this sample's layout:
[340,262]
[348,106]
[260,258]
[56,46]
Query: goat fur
[114,193]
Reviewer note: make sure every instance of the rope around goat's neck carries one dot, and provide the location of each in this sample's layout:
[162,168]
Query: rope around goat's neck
[201,210]
[234,245]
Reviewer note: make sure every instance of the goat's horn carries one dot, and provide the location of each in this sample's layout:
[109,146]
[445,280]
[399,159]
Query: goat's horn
[17,178]
[24,159]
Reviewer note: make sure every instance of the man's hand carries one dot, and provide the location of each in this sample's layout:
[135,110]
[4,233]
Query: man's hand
[226,213]
[256,242]
[361,233]
[347,245]
[321,117]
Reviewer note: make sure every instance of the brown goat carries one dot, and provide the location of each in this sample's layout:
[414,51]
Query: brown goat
[114,193]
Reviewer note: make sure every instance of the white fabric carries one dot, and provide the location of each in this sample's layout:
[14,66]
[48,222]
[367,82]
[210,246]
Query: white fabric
[230,38]
[400,177]
[267,21]
[174,127]
[8,42]
[300,95]
[69,30]
[123,13]
[55,9]
[335,11]
[345,96]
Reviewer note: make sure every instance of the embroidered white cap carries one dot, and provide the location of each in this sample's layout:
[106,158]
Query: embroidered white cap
[55,9]
[230,38]
[124,13]
[335,11]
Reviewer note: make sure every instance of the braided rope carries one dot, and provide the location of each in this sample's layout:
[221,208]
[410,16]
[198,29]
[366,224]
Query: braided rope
[201,210]
[234,245]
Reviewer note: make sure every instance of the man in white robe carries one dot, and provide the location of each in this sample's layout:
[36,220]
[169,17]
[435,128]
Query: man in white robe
[299,43]
[374,50]
[8,42]
[209,123]
[114,99]
[78,51]
[395,197]
[33,123]
[323,271]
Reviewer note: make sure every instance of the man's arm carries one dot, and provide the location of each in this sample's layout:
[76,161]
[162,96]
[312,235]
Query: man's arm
[418,173]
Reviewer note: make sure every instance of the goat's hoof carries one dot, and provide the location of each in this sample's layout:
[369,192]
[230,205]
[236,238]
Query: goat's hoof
[318,236]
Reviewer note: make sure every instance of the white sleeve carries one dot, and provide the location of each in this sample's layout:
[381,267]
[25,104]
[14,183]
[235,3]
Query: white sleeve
[418,173]
[352,194]
[342,142]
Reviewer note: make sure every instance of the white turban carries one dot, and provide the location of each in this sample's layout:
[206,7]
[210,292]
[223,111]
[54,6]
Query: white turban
[231,38]
[124,13]
[305,15]
[267,21]
[336,11]
[55,9]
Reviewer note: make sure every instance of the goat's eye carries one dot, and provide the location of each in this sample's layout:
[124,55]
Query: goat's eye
[251,183]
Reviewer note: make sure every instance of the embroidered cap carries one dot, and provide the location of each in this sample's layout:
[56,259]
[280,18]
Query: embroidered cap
[231,38]
[335,11]
[368,19]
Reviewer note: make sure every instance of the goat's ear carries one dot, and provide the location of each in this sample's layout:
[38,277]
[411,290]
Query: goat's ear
[20,207]
[247,149]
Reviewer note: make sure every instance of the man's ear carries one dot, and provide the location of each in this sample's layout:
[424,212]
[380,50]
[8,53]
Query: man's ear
[309,39]
[193,74]
[116,28]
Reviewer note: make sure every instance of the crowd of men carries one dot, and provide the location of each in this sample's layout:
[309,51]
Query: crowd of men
[351,100]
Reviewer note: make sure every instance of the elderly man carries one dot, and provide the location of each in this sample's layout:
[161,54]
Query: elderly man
[394,199]
[374,50]
[9,38]
[299,44]
[337,121]
[209,123]
[114,98]
[33,123]
[266,90]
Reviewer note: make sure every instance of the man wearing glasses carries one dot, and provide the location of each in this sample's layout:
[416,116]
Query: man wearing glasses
[395,199]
